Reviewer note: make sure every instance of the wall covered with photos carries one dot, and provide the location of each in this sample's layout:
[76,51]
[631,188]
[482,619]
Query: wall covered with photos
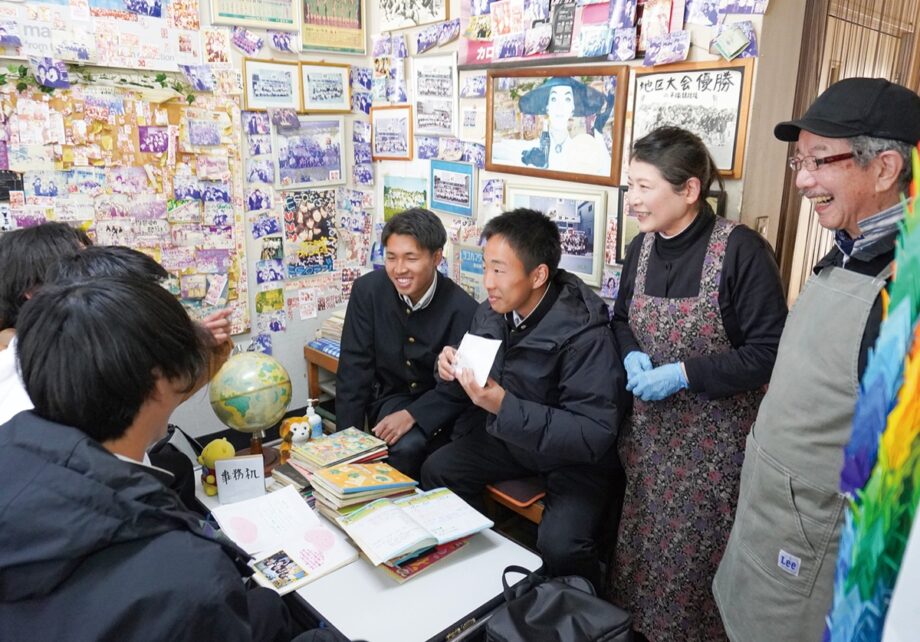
[269,191]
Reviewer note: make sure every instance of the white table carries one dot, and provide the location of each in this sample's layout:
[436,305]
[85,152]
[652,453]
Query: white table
[364,603]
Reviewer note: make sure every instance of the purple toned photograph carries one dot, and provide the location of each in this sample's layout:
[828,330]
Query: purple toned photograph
[259,198]
[361,102]
[361,77]
[475,154]
[624,44]
[245,40]
[186,188]
[256,122]
[152,8]
[269,271]
[215,191]
[127,180]
[363,174]
[203,133]
[282,41]
[265,225]
[50,73]
[622,14]
[509,46]
[449,31]
[199,77]
[427,38]
[313,154]
[426,146]
[671,47]
[154,140]
[702,12]
[260,170]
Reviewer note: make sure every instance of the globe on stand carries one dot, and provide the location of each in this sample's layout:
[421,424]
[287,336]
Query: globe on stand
[251,393]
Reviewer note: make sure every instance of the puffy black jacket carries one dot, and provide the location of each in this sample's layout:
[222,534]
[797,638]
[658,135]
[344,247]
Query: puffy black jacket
[95,548]
[564,381]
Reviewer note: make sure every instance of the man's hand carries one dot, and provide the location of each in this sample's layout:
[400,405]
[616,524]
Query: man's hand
[446,361]
[218,324]
[489,398]
[392,427]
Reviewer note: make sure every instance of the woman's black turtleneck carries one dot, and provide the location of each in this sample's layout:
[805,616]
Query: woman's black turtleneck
[751,300]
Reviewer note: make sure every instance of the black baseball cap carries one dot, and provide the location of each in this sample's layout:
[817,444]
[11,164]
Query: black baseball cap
[859,107]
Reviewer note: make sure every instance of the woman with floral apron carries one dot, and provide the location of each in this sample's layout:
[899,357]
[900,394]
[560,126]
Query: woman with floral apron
[698,317]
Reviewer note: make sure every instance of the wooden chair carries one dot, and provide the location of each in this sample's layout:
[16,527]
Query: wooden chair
[523,496]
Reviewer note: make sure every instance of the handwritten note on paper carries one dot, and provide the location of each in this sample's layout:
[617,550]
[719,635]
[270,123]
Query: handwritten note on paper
[477,354]
[239,478]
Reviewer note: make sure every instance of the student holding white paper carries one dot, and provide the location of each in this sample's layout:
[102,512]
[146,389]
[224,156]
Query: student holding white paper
[553,398]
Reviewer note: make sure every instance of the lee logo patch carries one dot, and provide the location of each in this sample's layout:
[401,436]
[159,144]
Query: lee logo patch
[789,563]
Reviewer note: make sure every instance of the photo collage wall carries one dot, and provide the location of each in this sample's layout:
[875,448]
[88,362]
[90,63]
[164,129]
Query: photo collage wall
[244,136]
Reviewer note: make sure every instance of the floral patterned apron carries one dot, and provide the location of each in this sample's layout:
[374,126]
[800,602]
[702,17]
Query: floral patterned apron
[682,457]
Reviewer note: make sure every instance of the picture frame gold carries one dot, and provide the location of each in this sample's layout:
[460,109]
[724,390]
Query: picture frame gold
[262,78]
[310,102]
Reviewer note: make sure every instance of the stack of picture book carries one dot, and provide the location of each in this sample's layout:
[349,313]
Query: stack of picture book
[406,535]
[289,475]
[290,544]
[344,447]
[341,490]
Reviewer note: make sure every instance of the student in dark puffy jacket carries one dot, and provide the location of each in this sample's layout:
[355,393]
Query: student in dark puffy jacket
[553,398]
[93,546]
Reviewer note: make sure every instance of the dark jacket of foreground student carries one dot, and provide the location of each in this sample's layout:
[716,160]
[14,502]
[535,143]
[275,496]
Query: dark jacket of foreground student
[95,548]
[562,378]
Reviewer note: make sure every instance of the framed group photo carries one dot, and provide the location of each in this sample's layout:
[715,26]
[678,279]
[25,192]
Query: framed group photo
[335,26]
[403,14]
[326,87]
[391,132]
[563,123]
[453,187]
[311,155]
[436,95]
[711,99]
[580,214]
[270,85]
[280,15]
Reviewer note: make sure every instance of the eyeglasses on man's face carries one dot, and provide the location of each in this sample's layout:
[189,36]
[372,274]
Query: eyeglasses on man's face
[812,163]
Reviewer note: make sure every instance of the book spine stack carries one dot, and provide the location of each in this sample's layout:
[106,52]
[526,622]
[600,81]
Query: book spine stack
[327,346]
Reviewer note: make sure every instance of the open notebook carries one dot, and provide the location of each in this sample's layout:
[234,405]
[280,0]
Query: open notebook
[290,544]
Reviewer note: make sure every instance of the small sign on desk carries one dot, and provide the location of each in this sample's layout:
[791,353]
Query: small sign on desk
[240,478]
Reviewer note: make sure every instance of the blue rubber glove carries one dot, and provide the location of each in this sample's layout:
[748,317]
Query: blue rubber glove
[659,383]
[635,363]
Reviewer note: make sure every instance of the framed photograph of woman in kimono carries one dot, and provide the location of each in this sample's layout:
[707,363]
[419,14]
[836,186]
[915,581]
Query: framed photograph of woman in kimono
[564,123]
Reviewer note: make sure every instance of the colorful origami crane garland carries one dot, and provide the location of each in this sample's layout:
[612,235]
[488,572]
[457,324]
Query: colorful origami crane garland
[881,470]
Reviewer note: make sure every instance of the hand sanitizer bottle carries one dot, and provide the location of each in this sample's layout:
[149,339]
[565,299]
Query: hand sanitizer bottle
[315,421]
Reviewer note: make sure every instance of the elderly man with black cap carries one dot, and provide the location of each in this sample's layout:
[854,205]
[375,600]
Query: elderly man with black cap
[852,160]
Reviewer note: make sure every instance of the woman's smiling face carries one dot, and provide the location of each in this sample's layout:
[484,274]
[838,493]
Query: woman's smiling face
[657,205]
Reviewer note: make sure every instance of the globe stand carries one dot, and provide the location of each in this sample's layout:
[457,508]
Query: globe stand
[270,456]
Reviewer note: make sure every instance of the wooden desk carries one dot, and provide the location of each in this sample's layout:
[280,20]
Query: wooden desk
[317,359]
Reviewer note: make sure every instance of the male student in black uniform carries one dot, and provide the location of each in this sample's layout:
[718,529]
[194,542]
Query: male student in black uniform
[396,323]
[554,396]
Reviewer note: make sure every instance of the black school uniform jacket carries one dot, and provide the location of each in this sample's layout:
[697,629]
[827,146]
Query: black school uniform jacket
[95,548]
[563,379]
[389,351]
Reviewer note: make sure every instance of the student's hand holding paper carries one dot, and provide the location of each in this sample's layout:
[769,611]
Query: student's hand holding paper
[488,397]
[446,363]
[218,324]
[392,427]
[477,354]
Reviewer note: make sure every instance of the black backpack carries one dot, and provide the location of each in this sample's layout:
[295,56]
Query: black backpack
[562,609]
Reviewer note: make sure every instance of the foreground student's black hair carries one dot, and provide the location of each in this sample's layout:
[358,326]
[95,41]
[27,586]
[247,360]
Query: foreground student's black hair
[679,155]
[106,260]
[419,223]
[25,257]
[532,236]
[90,352]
